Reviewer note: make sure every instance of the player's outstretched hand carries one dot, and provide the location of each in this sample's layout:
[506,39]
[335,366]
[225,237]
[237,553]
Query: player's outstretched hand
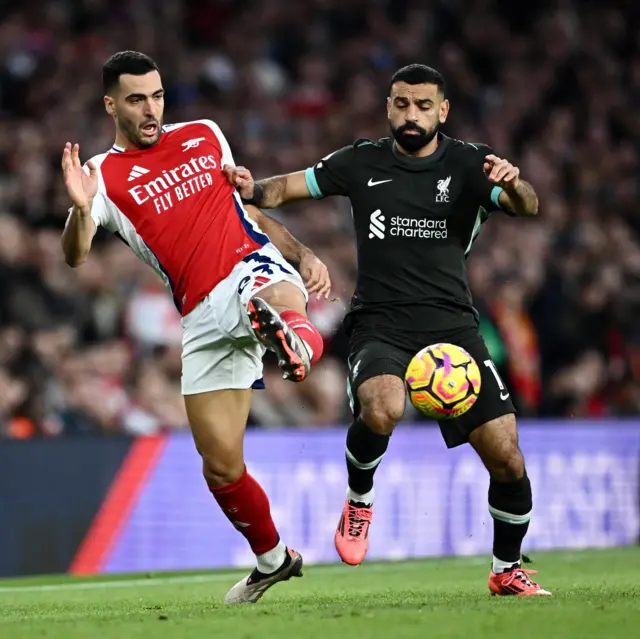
[241,178]
[501,172]
[82,187]
[315,275]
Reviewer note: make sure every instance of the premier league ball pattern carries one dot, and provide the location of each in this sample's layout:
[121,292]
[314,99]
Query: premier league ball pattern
[443,381]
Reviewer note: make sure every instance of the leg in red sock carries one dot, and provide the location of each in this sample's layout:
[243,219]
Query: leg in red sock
[278,317]
[218,420]
[247,507]
[307,332]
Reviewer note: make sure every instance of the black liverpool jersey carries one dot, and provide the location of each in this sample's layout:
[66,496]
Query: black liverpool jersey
[415,221]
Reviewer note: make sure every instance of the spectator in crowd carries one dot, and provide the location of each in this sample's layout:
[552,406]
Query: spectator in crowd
[552,85]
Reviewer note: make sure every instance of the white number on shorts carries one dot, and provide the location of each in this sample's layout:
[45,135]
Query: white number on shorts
[265,266]
[492,367]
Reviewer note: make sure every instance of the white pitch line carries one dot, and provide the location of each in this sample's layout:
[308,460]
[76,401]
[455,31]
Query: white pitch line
[122,583]
[214,578]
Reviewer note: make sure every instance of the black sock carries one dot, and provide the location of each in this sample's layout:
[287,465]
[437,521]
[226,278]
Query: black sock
[510,506]
[364,453]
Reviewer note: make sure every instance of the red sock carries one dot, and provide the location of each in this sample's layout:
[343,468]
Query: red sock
[307,332]
[247,507]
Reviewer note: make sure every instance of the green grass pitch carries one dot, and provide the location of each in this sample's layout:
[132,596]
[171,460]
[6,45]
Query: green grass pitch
[596,594]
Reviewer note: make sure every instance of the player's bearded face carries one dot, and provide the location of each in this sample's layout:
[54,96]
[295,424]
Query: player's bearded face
[143,133]
[139,107]
[415,114]
[412,137]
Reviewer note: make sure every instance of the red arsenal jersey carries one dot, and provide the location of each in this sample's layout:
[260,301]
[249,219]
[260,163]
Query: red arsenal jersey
[174,207]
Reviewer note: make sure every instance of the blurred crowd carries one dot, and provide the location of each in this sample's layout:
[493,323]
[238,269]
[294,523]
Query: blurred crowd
[552,85]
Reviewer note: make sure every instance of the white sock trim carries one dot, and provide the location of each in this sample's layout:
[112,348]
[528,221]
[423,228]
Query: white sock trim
[508,517]
[309,349]
[361,465]
[499,566]
[367,498]
[271,560]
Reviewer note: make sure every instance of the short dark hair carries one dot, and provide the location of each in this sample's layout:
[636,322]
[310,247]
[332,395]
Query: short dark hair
[419,74]
[129,62]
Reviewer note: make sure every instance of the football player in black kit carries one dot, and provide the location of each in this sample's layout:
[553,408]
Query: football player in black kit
[419,199]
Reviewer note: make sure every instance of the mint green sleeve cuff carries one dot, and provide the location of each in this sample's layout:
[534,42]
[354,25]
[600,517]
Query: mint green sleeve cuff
[312,183]
[495,195]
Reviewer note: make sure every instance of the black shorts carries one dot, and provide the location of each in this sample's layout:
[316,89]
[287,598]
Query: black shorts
[371,357]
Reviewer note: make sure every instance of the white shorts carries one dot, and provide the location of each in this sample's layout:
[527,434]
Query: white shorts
[219,348]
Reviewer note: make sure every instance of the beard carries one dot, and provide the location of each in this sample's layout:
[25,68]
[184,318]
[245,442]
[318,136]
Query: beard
[133,133]
[413,142]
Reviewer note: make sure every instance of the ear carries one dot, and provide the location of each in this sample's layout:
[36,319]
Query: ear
[388,106]
[108,105]
[444,111]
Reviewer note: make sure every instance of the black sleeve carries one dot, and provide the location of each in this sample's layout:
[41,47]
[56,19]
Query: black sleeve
[331,176]
[486,192]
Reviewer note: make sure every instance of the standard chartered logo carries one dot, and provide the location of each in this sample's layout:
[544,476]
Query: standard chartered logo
[423,228]
[376,225]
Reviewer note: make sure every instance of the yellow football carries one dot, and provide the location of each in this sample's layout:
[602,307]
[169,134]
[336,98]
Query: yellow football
[443,381]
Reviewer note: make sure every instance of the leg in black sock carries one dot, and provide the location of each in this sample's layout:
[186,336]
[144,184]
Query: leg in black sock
[510,505]
[365,450]
[510,501]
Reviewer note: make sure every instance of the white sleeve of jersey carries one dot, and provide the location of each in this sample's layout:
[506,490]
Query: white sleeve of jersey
[99,210]
[227,156]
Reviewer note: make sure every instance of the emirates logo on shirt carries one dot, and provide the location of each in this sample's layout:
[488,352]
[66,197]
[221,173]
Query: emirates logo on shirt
[177,184]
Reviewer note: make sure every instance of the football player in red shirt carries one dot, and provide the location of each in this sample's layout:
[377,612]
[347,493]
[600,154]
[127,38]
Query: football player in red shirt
[161,190]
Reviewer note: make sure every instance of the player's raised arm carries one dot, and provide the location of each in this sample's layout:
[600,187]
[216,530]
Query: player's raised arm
[330,176]
[282,189]
[517,196]
[269,193]
[82,188]
[497,183]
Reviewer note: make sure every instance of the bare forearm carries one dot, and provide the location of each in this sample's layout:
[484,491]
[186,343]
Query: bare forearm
[522,201]
[278,190]
[292,249]
[270,192]
[78,236]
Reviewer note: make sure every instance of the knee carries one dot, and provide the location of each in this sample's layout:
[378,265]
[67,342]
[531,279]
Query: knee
[381,416]
[221,469]
[496,442]
[509,467]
